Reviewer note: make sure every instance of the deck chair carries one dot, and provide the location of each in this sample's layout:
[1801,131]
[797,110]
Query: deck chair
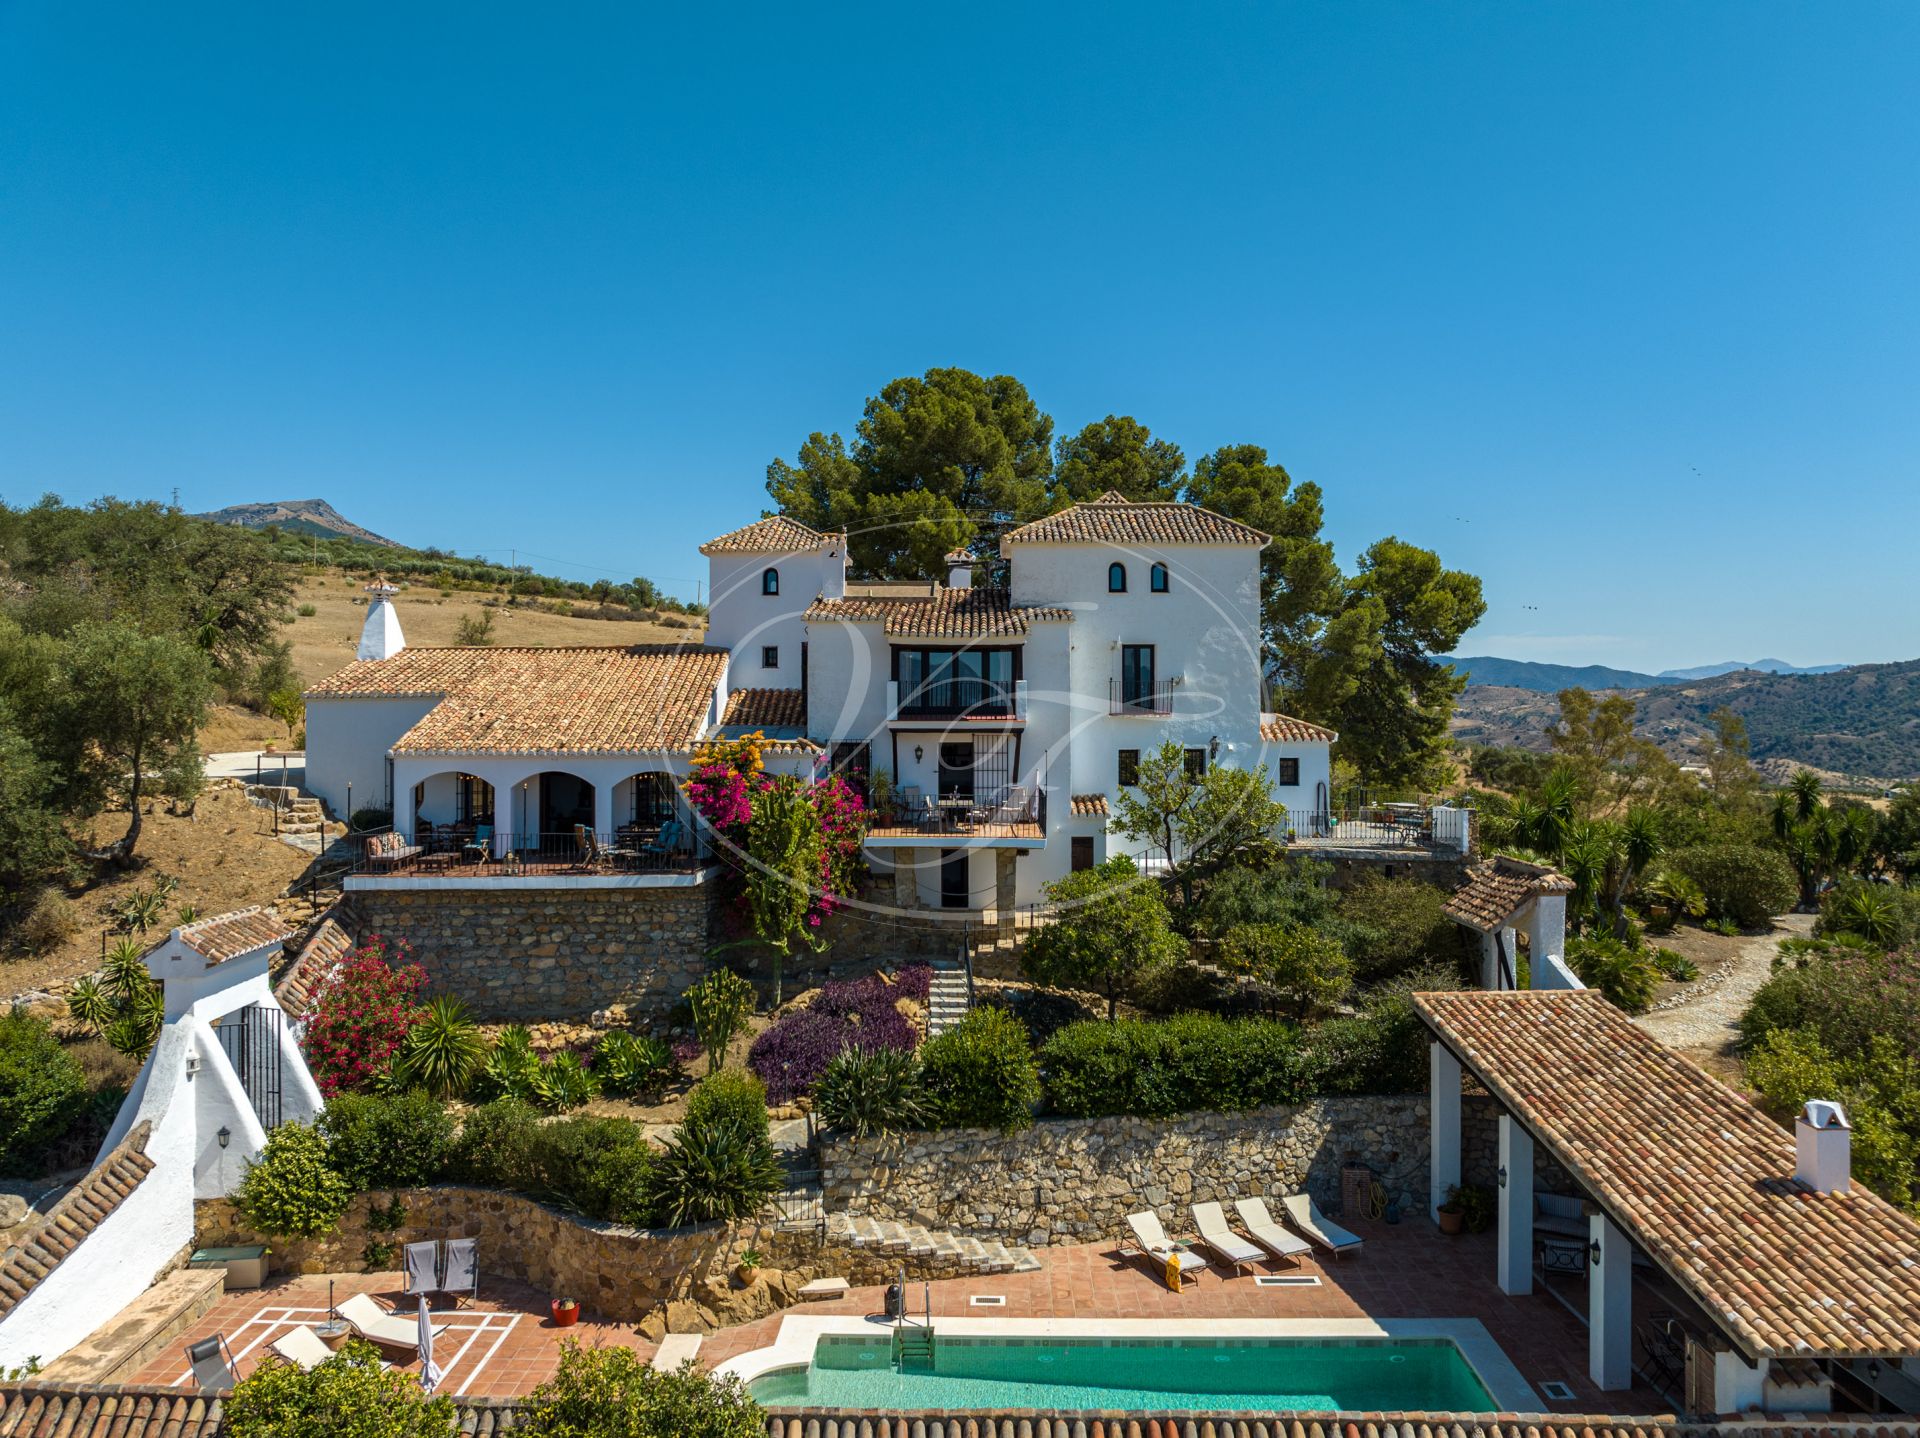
[1232,1249]
[212,1364]
[1304,1214]
[463,1268]
[1153,1242]
[422,1262]
[1258,1225]
[588,844]
[480,846]
[376,1325]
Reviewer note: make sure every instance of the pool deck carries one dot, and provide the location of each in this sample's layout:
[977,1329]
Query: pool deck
[506,1344]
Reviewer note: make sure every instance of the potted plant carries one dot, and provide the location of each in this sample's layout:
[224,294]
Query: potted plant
[1476,1207]
[566,1312]
[744,1269]
[1452,1214]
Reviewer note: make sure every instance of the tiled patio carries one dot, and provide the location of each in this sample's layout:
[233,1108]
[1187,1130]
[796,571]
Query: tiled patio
[507,1343]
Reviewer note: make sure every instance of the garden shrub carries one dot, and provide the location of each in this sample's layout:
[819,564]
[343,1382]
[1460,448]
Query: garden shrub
[1843,995]
[612,1393]
[595,1165]
[1883,914]
[42,1093]
[1393,925]
[49,922]
[1303,969]
[792,1053]
[361,1017]
[1293,892]
[1177,988]
[1380,1050]
[732,1095]
[351,1395]
[496,1145]
[1042,1012]
[1879,1086]
[387,1140]
[1626,976]
[1741,883]
[632,1065]
[864,1093]
[1179,1065]
[719,1164]
[980,1074]
[293,1190]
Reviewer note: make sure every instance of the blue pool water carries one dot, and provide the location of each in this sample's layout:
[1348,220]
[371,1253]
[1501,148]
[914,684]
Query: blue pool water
[1202,1374]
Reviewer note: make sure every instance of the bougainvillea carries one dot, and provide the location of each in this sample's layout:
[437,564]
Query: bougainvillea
[723,779]
[362,1014]
[843,832]
[859,1013]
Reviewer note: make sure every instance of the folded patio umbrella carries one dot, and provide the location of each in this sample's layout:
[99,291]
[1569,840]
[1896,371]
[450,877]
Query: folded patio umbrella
[429,1370]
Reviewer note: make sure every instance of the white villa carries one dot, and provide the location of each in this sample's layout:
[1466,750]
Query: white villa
[1003,719]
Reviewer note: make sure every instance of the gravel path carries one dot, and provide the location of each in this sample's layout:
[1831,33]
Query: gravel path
[1706,1021]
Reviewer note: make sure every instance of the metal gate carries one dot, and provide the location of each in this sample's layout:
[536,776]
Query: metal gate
[251,1039]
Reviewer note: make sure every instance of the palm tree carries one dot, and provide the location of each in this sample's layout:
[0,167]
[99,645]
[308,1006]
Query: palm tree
[1805,788]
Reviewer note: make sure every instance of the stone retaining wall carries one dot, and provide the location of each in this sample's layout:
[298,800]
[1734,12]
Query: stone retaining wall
[526,954]
[1076,1180]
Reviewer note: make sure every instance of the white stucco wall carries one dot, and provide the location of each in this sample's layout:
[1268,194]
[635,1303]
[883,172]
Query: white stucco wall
[741,619]
[347,743]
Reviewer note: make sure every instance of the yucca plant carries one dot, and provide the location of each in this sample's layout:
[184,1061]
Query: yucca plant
[628,1064]
[89,1004]
[136,1023]
[722,1170]
[442,1051]
[510,1068]
[125,967]
[1870,914]
[564,1083]
[866,1093]
[142,909]
[187,914]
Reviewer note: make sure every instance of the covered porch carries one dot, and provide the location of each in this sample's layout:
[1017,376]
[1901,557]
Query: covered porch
[540,812]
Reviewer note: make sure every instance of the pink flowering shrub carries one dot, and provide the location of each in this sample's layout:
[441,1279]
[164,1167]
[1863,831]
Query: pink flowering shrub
[361,1016]
[843,830]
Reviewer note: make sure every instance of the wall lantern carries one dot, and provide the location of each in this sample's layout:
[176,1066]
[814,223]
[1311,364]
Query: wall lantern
[193,1064]
[1503,1175]
[1213,747]
[1593,1250]
[919,753]
[224,1136]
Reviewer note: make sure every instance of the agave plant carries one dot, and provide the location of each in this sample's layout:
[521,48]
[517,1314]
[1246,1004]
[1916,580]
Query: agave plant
[126,968]
[142,909]
[89,1004]
[187,914]
[442,1051]
[629,1064]
[564,1083]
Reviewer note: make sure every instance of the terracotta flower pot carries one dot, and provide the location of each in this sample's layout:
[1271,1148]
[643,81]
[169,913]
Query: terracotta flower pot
[1452,1220]
[566,1312]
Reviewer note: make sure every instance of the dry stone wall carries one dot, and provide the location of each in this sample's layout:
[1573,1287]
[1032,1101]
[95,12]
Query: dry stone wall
[1076,1180]
[527,954]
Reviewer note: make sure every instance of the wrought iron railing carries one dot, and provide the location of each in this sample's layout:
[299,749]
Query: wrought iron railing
[1126,698]
[952,698]
[626,852]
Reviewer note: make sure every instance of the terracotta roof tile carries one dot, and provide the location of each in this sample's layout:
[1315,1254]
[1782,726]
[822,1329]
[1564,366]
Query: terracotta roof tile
[228,936]
[767,708]
[776,534]
[308,974]
[1494,890]
[603,700]
[81,1210]
[1088,806]
[1285,729]
[946,614]
[1694,1174]
[1113,519]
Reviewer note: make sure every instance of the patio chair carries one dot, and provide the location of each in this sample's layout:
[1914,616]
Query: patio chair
[1153,1241]
[906,803]
[1258,1224]
[1663,1360]
[463,1269]
[587,847]
[422,1263]
[664,843]
[480,846]
[1232,1249]
[212,1364]
[376,1325]
[1304,1214]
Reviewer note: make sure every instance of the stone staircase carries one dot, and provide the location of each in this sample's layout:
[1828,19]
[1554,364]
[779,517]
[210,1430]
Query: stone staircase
[947,1002]
[303,822]
[910,1240]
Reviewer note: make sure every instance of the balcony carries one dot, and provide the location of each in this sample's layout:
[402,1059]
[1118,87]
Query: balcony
[1139,699]
[1407,829]
[1013,817]
[965,699]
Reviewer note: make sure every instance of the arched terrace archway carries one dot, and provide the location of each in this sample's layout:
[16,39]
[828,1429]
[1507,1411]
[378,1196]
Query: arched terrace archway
[454,810]
[549,808]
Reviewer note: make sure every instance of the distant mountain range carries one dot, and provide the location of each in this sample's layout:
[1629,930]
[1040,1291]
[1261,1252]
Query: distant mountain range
[1863,720]
[298,516]
[1552,678]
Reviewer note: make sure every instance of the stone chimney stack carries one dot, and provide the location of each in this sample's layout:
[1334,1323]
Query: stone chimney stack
[1823,1147]
[380,636]
[960,570]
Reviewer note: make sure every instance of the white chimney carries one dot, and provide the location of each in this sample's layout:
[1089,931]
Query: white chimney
[380,636]
[960,570]
[1823,1147]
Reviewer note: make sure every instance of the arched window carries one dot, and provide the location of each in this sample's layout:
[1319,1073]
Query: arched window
[769,581]
[1116,578]
[1157,579]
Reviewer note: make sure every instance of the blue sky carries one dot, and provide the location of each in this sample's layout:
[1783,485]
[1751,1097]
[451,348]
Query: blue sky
[1613,304]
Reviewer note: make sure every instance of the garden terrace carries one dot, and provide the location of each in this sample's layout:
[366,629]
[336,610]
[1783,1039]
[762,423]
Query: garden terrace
[583,860]
[1368,829]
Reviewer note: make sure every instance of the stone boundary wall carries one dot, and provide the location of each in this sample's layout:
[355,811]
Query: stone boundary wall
[668,1280]
[530,954]
[1076,1180]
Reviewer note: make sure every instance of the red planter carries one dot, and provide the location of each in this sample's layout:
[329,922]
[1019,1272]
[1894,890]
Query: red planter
[565,1313]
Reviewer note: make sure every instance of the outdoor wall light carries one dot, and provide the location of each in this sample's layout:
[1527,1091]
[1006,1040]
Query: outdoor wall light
[1593,1249]
[224,1136]
[919,753]
[193,1064]
[1213,747]
[1503,1175]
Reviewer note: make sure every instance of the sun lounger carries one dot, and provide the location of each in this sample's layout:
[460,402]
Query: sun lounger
[1154,1242]
[1233,1250]
[304,1349]
[1306,1216]
[1258,1224]
[376,1325]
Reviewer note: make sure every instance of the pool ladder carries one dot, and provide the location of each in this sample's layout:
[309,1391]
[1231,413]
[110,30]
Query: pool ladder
[913,1343]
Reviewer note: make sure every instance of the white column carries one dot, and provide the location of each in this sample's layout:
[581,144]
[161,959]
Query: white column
[1516,1207]
[1510,938]
[1610,1307]
[603,811]
[1547,928]
[1443,1103]
[403,815]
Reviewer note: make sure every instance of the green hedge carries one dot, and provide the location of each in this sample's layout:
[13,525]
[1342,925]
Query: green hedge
[1741,882]
[980,1074]
[1157,1069]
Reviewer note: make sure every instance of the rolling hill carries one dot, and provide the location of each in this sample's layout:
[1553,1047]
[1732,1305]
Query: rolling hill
[1548,678]
[1863,720]
[297,516]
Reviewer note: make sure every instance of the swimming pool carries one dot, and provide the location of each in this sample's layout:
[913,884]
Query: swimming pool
[1222,1374]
